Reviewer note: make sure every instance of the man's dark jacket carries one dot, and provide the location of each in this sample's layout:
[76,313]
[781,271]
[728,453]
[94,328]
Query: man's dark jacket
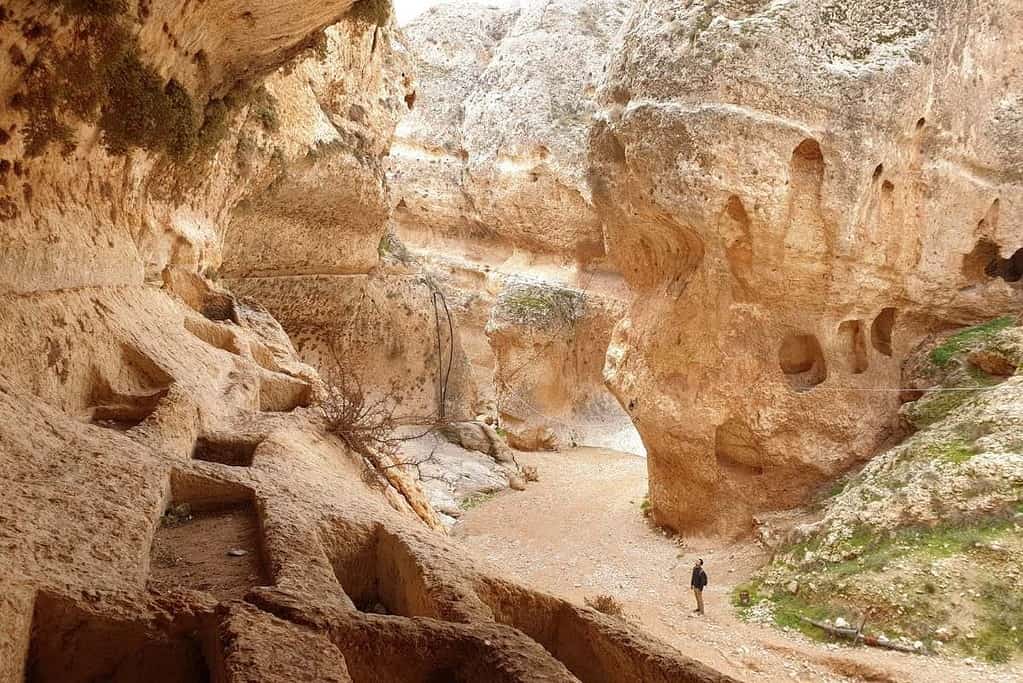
[699,578]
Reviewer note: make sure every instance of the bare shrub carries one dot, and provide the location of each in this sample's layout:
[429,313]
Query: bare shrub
[530,473]
[371,426]
[607,604]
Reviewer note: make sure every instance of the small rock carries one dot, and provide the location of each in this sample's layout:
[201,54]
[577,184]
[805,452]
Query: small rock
[792,587]
[841,623]
[517,482]
[237,552]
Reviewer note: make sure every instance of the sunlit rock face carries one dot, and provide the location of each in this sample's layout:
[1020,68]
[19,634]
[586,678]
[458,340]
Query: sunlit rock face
[795,193]
[494,152]
[488,184]
[308,245]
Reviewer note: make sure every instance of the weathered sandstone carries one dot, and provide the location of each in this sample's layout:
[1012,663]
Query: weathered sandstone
[797,193]
[172,507]
[488,181]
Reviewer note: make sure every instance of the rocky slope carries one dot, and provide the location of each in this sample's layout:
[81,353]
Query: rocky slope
[172,505]
[488,178]
[925,540]
[797,193]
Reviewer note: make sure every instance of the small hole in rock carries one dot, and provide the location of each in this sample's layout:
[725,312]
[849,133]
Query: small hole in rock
[225,451]
[881,331]
[853,339]
[802,360]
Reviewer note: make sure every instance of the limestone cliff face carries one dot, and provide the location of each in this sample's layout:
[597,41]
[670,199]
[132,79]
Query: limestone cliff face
[307,245]
[488,181]
[171,503]
[796,193]
[495,151]
[119,155]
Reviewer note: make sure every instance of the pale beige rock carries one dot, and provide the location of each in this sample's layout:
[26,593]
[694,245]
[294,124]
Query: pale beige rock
[132,384]
[494,152]
[549,343]
[795,193]
[488,180]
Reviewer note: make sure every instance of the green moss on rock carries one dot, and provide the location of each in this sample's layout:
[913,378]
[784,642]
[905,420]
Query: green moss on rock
[144,112]
[961,341]
[371,12]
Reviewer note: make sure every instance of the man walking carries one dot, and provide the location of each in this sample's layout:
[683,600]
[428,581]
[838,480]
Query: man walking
[698,582]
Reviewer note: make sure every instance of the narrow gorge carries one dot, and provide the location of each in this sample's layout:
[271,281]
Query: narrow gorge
[343,341]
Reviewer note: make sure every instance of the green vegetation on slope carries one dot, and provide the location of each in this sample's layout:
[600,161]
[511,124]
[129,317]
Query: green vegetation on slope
[904,580]
[957,343]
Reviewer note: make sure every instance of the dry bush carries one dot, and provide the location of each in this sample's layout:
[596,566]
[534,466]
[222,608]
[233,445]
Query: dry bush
[371,426]
[607,604]
[530,473]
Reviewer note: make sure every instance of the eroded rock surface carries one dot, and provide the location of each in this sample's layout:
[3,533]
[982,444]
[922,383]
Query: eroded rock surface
[902,535]
[488,180]
[797,193]
[173,507]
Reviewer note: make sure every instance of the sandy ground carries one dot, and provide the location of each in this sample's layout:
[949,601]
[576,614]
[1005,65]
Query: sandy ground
[579,532]
[197,554]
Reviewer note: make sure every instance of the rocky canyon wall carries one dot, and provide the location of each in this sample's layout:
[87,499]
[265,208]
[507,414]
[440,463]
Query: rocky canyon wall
[172,505]
[488,183]
[796,193]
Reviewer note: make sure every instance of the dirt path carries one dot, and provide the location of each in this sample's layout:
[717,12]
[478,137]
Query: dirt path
[579,532]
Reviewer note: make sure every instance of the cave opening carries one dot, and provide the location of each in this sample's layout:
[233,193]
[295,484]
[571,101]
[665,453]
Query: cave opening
[802,361]
[854,345]
[985,262]
[881,331]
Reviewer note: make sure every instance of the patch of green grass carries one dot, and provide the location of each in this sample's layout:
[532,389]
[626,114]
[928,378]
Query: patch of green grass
[956,452]
[542,305]
[935,405]
[836,488]
[475,500]
[528,303]
[751,587]
[789,610]
[1000,637]
[645,506]
[848,587]
[942,355]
